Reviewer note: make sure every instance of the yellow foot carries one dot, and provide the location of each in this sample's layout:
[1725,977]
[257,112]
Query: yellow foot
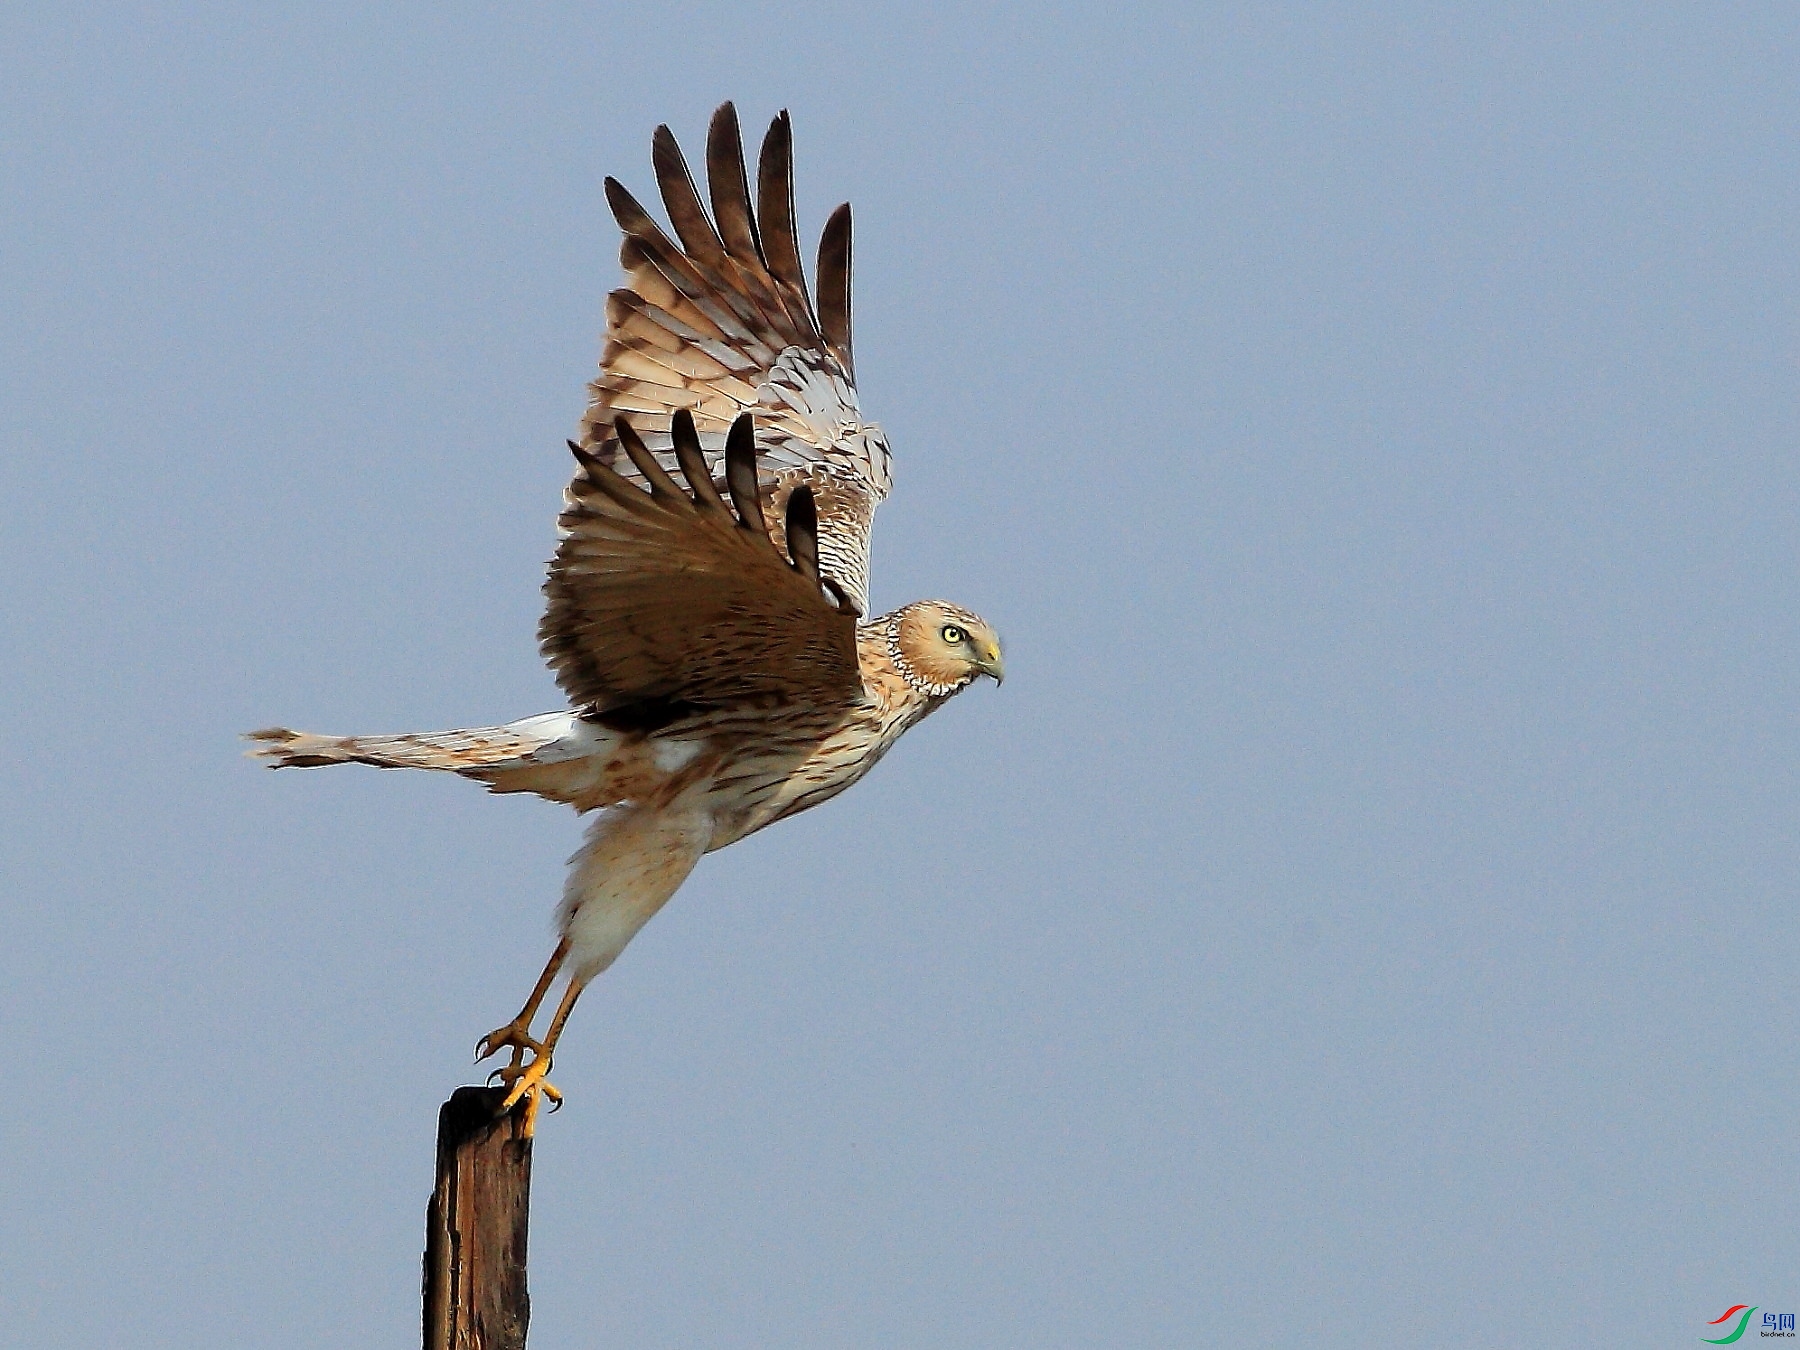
[528,1082]
[515,1036]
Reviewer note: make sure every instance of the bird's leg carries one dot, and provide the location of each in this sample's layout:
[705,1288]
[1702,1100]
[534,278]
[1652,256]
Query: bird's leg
[529,1081]
[516,1034]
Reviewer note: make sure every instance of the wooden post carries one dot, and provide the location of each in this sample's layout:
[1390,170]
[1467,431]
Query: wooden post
[475,1226]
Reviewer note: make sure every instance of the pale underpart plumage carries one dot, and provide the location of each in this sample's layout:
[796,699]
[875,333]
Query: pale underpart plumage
[666,796]
[705,600]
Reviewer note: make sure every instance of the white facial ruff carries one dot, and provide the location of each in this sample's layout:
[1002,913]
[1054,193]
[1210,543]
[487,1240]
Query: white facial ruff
[930,688]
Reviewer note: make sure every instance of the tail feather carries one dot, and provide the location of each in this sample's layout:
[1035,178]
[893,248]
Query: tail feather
[473,751]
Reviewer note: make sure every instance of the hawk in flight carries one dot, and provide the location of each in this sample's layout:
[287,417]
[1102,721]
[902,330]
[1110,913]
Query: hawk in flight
[707,600]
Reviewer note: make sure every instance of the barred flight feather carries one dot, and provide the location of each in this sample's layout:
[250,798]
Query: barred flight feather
[717,320]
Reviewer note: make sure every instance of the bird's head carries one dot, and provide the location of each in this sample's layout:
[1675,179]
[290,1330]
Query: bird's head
[940,648]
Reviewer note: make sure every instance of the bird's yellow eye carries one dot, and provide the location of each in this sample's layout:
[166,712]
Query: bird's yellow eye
[952,634]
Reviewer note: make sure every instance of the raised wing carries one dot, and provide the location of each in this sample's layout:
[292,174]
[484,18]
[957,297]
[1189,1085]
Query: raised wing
[720,324]
[664,597]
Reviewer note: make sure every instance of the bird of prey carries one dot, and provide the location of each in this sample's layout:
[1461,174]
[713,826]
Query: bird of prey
[708,597]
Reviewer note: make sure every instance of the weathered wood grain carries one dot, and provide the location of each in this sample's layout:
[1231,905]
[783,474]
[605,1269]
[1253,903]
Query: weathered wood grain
[475,1226]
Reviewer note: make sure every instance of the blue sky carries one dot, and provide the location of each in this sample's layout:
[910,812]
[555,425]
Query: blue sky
[1364,917]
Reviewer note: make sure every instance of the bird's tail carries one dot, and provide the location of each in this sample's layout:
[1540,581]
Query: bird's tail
[475,752]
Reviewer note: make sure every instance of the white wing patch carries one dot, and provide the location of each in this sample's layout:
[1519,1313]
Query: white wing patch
[674,756]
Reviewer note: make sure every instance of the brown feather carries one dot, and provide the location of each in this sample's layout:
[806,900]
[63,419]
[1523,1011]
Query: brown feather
[775,219]
[693,462]
[632,500]
[834,286]
[803,533]
[661,485]
[735,309]
[730,189]
[740,475]
[683,203]
[636,222]
[650,284]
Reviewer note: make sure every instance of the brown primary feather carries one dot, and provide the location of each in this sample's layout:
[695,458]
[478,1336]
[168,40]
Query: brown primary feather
[775,212]
[661,485]
[834,287]
[803,533]
[740,475]
[688,454]
[729,188]
[683,203]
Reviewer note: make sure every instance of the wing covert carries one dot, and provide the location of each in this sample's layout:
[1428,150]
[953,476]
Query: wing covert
[664,594]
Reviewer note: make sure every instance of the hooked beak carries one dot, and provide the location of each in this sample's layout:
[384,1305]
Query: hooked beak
[991,664]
